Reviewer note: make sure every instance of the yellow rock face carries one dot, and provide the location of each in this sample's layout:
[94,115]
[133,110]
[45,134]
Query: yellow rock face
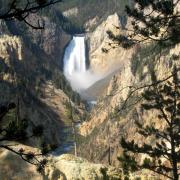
[70,167]
[107,62]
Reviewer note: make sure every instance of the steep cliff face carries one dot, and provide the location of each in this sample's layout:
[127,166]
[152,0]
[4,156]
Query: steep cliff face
[50,41]
[11,53]
[14,85]
[29,66]
[107,125]
[107,62]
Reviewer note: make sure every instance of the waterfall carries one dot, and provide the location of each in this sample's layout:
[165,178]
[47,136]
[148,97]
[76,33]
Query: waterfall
[75,57]
[75,65]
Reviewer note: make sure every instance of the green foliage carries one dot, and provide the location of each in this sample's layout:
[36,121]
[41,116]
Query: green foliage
[72,113]
[119,40]
[46,148]
[164,98]
[41,2]
[129,163]
[3,67]
[69,110]
[20,9]
[15,129]
[38,131]
[70,25]
[167,20]
[152,20]
[104,173]
[87,10]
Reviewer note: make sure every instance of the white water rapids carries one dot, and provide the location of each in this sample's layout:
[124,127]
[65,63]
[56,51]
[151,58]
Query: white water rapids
[75,69]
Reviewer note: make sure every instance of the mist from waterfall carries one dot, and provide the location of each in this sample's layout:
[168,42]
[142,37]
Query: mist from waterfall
[75,69]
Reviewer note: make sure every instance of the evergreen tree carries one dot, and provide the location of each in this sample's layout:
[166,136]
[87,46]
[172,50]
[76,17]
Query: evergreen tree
[162,157]
[152,20]
[16,131]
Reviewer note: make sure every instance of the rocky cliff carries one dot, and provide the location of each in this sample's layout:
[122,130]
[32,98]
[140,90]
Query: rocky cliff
[107,62]
[18,82]
[30,63]
[107,123]
[49,42]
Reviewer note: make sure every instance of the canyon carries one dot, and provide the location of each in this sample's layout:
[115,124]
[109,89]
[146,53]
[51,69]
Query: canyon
[53,73]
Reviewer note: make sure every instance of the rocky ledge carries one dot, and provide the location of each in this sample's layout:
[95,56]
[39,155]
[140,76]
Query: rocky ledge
[63,167]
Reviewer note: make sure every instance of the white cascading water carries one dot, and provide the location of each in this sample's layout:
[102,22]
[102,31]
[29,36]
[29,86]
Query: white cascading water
[75,57]
[75,65]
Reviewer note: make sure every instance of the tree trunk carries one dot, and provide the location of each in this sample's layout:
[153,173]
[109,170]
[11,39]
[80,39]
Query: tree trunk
[173,154]
[109,155]
[17,111]
[175,171]
[75,144]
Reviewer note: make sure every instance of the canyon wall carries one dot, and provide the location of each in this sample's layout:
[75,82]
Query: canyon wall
[107,122]
[30,62]
[17,83]
[102,62]
[29,59]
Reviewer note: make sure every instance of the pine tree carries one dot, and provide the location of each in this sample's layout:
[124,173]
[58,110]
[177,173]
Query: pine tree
[152,20]
[12,130]
[163,157]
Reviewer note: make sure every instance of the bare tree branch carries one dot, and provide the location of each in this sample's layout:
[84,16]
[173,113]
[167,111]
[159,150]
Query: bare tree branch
[19,13]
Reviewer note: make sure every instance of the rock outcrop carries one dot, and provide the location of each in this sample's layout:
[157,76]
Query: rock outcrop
[64,167]
[10,47]
[71,12]
[73,168]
